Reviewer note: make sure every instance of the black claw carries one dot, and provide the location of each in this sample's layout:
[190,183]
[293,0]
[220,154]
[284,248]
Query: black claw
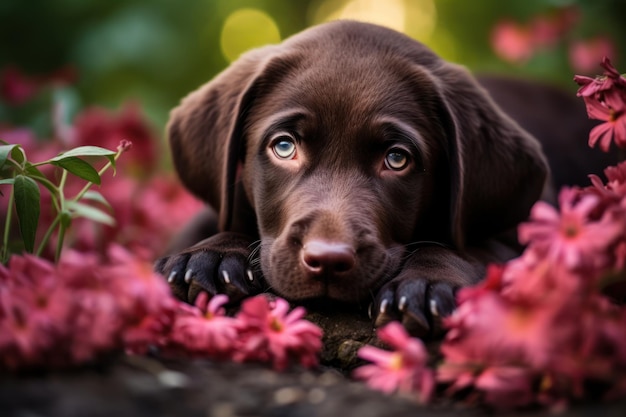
[416,324]
[442,296]
[159,265]
[383,319]
[216,267]
[188,275]
[417,303]
[385,311]
[441,304]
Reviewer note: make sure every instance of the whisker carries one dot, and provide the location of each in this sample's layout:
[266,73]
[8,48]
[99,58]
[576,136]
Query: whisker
[255,251]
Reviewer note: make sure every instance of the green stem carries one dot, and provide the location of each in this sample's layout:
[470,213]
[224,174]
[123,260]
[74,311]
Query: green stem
[59,248]
[46,237]
[88,186]
[19,167]
[4,254]
[62,207]
[61,223]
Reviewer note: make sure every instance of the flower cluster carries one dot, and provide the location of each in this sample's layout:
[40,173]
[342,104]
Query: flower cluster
[17,88]
[269,332]
[262,331]
[79,310]
[517,43]
[605,98]
[549,326]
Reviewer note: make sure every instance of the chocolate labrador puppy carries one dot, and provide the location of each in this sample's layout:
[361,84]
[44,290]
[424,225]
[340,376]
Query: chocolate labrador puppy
[349,163]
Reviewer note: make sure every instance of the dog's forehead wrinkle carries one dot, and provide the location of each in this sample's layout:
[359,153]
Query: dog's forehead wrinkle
[321,115]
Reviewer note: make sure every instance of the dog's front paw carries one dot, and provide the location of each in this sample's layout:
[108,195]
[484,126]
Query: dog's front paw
[220,264]
[424,292]
[417,302]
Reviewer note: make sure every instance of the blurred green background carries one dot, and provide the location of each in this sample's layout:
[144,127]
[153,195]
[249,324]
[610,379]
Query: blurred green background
[156,51]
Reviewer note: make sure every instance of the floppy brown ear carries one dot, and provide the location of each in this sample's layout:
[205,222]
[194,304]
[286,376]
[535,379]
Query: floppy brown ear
[205,132]
[498,169]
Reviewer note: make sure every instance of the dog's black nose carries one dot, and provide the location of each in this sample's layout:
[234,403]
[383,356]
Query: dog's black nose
[321,257]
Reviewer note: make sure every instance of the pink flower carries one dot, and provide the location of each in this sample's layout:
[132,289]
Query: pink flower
[403,369]
[545,31]
[34,310]
[507,386]
[204,329]
[617,177]
[145,302]
[122,303]
[536,277]
[82,308]
[611,110]
[512,41]
[142,289]
[614,191]
[570,236]
[493,331]
[17,88]
[585,55]
[96,126]
[501,347]
[99,317]
[548,29]
[530,334]
[160,206]
[611,79]
[597,349]
[270,333]
[516,43]
[605,98]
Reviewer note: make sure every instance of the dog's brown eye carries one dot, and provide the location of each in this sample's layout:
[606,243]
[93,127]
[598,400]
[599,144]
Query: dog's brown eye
[284,148]
[396,160]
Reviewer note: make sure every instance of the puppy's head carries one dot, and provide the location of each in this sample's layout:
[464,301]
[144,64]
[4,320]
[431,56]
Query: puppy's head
[349,142]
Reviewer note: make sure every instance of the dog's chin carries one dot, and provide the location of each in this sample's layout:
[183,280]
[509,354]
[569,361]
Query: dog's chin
[319,292]
[331,307]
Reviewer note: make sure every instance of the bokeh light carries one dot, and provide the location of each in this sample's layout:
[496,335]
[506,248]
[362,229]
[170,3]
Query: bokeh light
[245,29]
[417,19]
[157,51]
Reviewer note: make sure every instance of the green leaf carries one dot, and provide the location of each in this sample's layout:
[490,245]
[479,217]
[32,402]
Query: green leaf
[16,152]
[5,151]
[97,197]
[27,207]
[79,168]
[85,151]
[91,213]
[33,172]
